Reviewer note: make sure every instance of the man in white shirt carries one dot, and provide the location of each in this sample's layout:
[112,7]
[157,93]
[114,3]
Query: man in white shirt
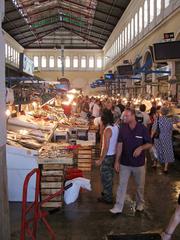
[96,109]
[146,118]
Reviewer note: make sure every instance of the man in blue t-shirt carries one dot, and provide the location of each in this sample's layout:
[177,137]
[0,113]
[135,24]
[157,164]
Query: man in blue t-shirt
[133,140]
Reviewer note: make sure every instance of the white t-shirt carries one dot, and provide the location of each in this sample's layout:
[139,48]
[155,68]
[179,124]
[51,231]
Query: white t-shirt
[146,119]
[91,106]
[96,111]
[97,121]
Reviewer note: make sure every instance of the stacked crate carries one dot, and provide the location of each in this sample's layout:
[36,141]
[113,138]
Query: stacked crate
[85,158]
[52,180]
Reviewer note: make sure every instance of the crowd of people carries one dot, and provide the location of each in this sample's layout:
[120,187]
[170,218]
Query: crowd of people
[127,136]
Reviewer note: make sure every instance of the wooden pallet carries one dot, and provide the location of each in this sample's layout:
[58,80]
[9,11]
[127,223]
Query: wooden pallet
[85,158]
[52,205]
[52,180]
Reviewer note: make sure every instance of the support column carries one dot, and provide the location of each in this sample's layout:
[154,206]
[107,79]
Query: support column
[172,87]
[4,206]
[142,84]
[154,88]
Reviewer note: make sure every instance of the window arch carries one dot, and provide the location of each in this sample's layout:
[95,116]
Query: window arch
[75,62]
[166,4]
[99,62]
[136,25]
[43,62]
[122,38]
[51,61]
[145,13]
[129,33]
[140,19]
[67,62]
[132,28]
[36,61]
[158,7]
[125,36]
[151,10]
[83,62]
[91,62]
[59,62]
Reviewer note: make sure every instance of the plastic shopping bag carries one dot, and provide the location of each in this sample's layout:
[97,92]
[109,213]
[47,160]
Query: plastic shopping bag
[71,194]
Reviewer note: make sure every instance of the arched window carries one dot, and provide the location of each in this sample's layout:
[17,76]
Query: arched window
[59,62]
[122,39]
[140,19]
[151,10]
[129,32]
[91,62]
[14,55]
[125,36]
[9,52]
[75,62]
[132,28]
[6,50]
[83,62]
[120,47]
[51,62]
[43,62]
[16,58]
[67,62]
[36,61]
[136,25]
[99,62]
[166,4]
[145,13]
[158,7]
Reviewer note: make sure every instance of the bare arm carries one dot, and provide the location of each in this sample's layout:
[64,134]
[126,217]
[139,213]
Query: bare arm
[118,156]
[139,150]
[105,145]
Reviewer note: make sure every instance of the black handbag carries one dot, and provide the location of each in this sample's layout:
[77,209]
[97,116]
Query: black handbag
[157,132]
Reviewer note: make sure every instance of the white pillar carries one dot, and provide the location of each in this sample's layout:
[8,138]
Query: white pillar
[154,88]
[142,83]
[172,87]
[4,206]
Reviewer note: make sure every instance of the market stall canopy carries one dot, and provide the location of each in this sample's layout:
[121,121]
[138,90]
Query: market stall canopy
[84,24]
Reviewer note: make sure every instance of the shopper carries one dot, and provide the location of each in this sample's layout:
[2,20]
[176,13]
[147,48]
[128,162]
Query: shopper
[175,220]
[163,143]
[96,109]
[85,108]
[121,106]
[91,104]
[133,140]
[107,157]
[146,118]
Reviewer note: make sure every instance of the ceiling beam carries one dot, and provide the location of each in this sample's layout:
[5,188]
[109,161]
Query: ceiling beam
[57,7]
[40,37]
[90,8]
[110,11]
[82,27]
[76,32]
[90,40]
[110,4]
[18,27]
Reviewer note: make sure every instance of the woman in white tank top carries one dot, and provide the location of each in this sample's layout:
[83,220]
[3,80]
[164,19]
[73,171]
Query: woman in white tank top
[107,158]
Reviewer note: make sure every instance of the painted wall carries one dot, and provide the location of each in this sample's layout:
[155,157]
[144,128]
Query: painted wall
[78,79]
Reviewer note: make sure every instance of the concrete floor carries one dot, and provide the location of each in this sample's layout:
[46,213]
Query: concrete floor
[89,220]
